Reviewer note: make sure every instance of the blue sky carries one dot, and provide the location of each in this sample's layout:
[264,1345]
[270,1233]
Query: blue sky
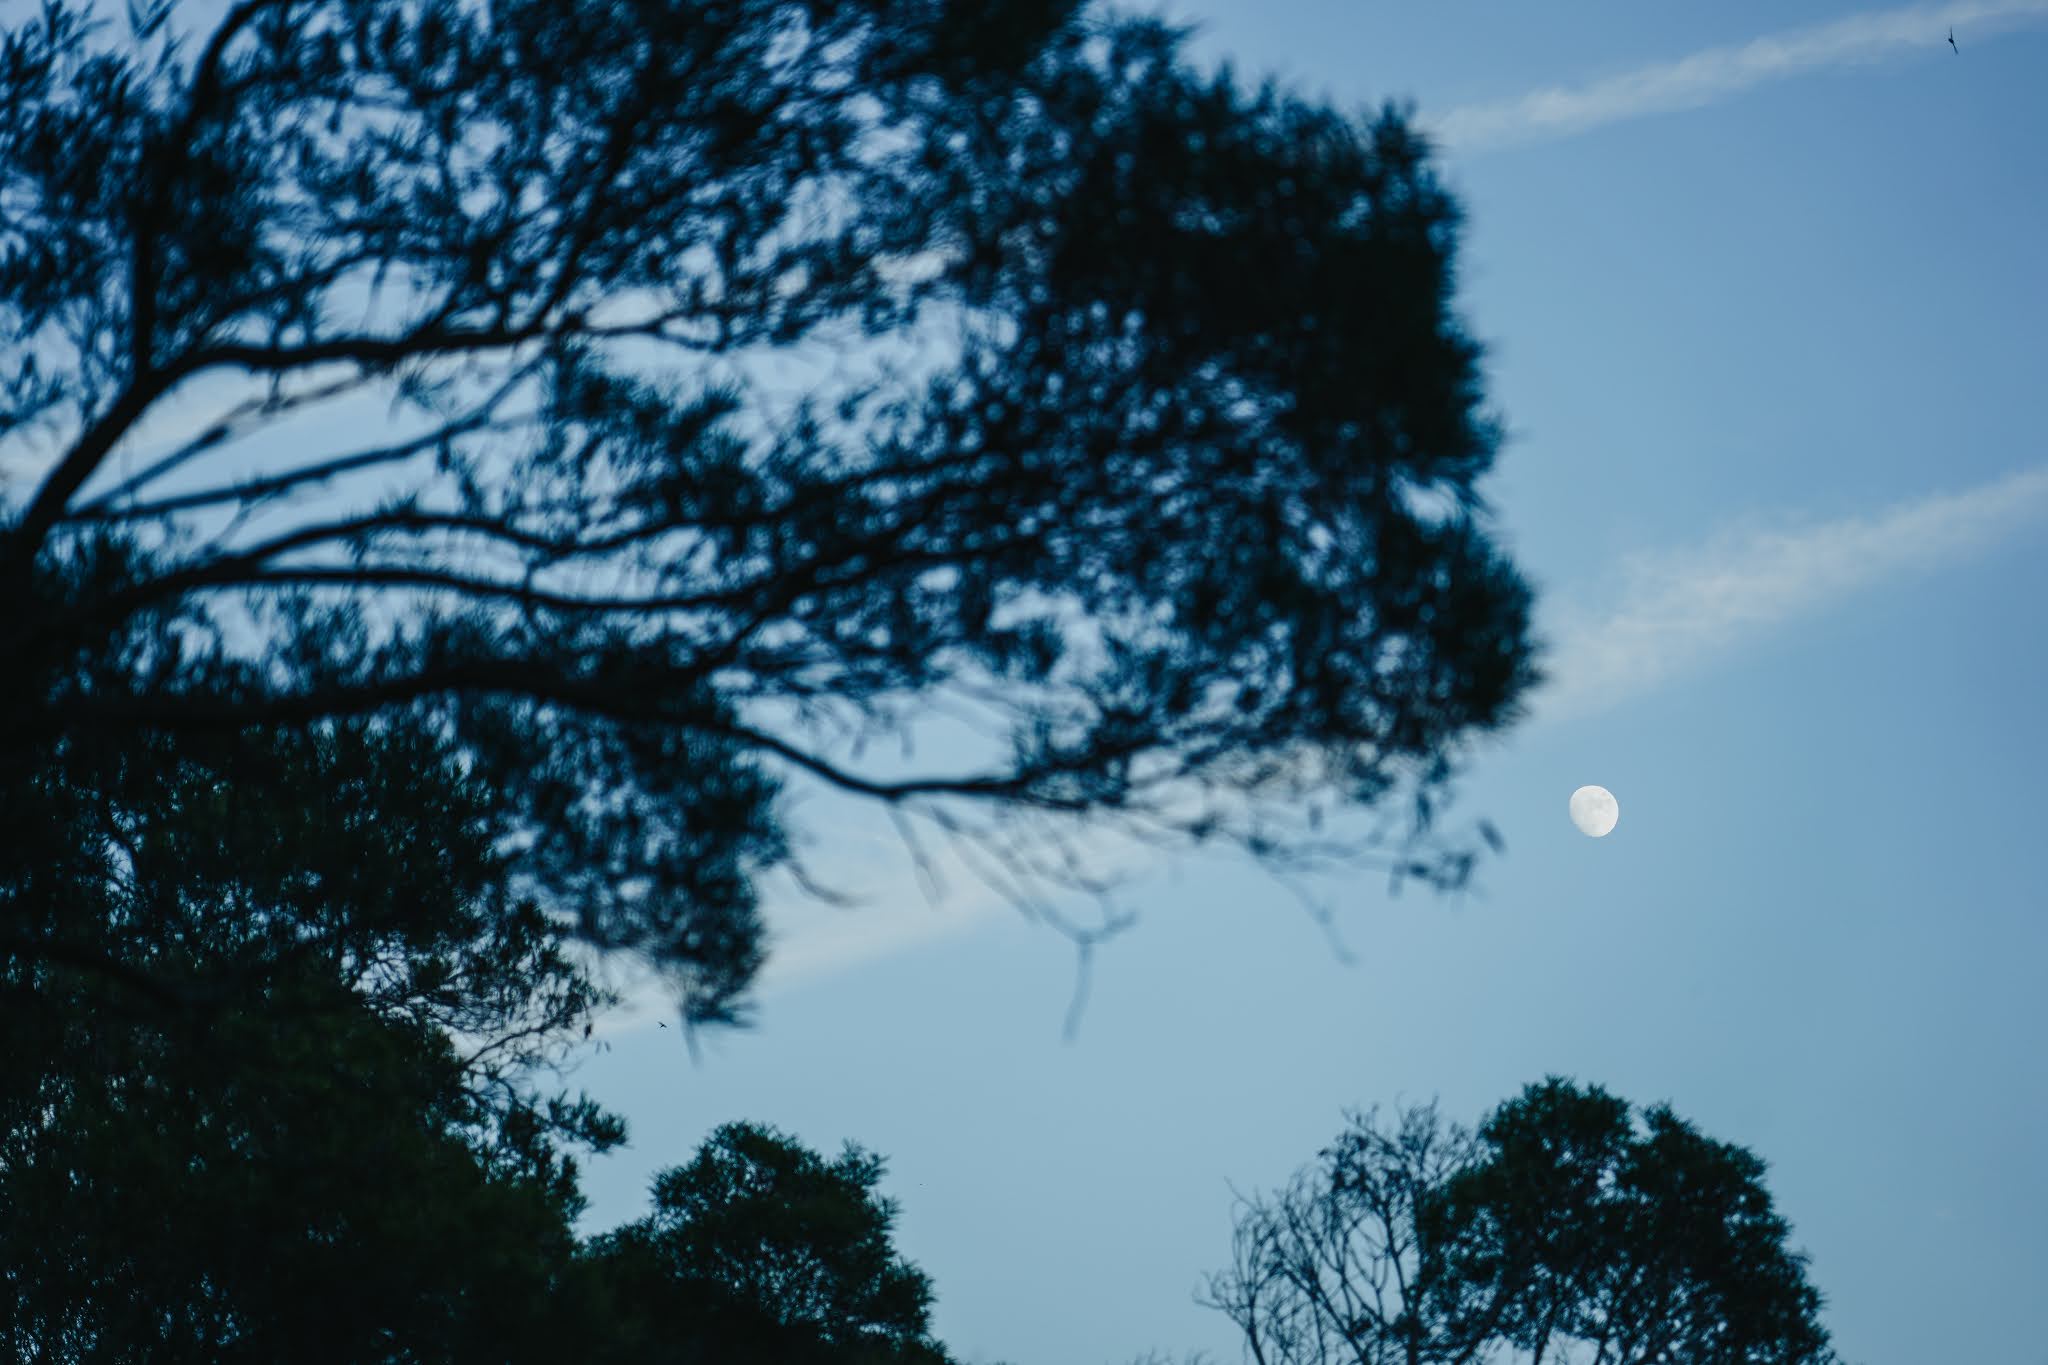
[1767,301]
[1765,290]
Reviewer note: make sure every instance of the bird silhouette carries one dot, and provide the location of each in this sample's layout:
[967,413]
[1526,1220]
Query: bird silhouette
[1952,40]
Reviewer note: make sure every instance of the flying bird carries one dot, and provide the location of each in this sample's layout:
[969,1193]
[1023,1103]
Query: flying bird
[1952,40]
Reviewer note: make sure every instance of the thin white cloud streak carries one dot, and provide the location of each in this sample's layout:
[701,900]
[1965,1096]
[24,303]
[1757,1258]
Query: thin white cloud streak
[809,943]
[1677,611]
[812,942]
[1717,73]
[809,940]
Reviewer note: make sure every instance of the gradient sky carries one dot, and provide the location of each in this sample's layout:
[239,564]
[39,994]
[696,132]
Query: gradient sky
[1766,287]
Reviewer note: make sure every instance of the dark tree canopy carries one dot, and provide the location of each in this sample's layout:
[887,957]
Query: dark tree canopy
[654,398]
[760,1249]
[268,1091]
[1568,1228]
[283,1105]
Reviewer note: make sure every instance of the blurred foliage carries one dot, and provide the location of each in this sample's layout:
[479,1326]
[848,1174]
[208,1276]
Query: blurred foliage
[388,355]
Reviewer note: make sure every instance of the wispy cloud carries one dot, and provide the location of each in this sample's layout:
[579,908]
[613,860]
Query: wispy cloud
[892,907]
[811,940]
[1677,610]
[1718,73]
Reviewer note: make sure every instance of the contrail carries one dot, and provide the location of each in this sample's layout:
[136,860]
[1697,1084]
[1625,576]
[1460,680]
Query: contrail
[1717,73]
[1678,610]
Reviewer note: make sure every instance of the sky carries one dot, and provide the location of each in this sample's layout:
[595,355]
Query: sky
[1764,290]
[1764,287]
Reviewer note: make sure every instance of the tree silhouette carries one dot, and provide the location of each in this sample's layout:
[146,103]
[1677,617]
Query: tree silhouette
[760,1249]
[657,398]
[269,1088]
[271,1092]
[1566,1228]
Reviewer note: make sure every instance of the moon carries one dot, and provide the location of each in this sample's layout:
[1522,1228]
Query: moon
[1594,810]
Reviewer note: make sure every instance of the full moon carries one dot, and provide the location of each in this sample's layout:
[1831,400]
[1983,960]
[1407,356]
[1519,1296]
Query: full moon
[1594,810]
